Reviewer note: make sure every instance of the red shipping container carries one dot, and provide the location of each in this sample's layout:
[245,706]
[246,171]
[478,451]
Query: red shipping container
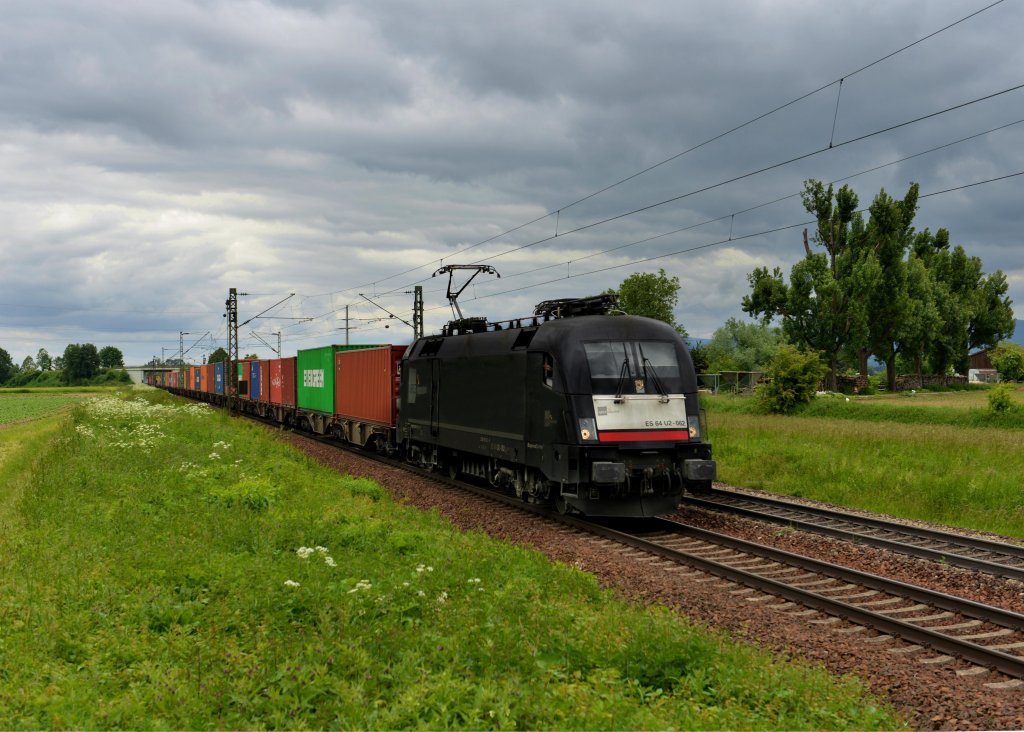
[282,381]
[366,383]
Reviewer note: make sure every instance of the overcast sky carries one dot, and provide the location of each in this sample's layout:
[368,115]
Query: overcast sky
[155,154]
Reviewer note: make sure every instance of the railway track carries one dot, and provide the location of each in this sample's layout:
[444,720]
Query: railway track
[982,555]
[941,627]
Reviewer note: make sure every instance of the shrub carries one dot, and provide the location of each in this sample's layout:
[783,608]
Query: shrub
[999,399]
[793,380]
[1008,359]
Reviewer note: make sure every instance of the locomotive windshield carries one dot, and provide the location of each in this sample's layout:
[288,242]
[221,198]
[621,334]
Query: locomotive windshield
[636,367]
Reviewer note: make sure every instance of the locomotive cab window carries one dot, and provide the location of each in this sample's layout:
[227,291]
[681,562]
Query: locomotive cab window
[633,367]
[416,385]
[548,371]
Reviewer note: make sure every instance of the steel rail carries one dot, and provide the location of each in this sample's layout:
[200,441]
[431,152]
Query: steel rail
[973,652]
[934,554]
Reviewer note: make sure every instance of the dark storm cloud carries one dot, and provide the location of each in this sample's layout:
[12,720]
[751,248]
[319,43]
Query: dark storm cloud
[155,154]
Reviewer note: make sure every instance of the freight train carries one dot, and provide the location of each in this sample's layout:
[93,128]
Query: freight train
[593,413]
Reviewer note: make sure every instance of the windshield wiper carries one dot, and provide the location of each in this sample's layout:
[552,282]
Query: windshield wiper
[654,373]
[623,373]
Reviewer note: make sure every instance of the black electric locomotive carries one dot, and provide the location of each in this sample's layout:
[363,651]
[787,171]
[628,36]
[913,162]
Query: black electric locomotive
[596,413]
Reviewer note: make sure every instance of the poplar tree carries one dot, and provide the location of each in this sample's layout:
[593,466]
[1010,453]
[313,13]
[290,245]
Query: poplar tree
[824,305]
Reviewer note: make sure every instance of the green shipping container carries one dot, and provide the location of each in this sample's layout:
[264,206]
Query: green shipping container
[315,377]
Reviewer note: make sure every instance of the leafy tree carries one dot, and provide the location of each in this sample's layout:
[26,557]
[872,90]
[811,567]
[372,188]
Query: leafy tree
[28,364]
[741,346]
[218,355]
[892,300]
[824,306]
[699,355]
[7,368]
[81,362]
[973,309]
[58,363]
[111,357]
[250,356]
[652,296]
[793,379]
[882,288]
[1008,359]
[43,360]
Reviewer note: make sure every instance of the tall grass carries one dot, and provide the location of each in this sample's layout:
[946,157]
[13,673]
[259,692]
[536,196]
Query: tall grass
[934,464]
[165,567]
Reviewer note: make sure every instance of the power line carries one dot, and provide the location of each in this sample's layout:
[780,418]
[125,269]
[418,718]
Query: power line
[762,205]
[734,179]
[676,156]
[727,241]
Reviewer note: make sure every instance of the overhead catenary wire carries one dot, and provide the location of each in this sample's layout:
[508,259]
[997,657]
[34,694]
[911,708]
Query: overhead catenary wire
[721,242]
[734,179]
[557,211]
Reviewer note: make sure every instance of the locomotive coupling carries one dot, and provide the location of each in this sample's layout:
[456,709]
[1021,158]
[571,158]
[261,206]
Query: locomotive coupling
[699,469]
[607,472]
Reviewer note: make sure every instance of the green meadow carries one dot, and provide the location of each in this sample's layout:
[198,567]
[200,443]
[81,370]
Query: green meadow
[165,567]
[937,456]
[17,407]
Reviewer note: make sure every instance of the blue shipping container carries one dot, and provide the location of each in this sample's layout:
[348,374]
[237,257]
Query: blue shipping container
[198,371]
[254,380]
[218,377]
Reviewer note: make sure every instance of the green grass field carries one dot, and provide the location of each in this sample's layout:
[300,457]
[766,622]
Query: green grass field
[941,457]
[17,407]
[164,567]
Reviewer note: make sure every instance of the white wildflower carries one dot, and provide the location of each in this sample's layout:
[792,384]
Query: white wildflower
[361,585]
[304,552]
[442,598]
[421,593]
[329,561]
[321,549]
[214,456]
[291,583]
[474,580]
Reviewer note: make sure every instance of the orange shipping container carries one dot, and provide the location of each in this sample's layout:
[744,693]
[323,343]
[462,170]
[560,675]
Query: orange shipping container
[206,378]
[366,383]
[264,381]
[282,381]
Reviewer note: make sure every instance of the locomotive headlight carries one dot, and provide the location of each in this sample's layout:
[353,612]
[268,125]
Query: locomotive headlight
[694,431]
[588,429]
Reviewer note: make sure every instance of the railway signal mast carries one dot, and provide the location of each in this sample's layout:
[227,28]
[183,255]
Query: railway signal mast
[231,376]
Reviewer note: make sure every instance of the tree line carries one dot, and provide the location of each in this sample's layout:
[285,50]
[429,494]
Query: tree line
[882,288]
[865,287]
[80,363]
